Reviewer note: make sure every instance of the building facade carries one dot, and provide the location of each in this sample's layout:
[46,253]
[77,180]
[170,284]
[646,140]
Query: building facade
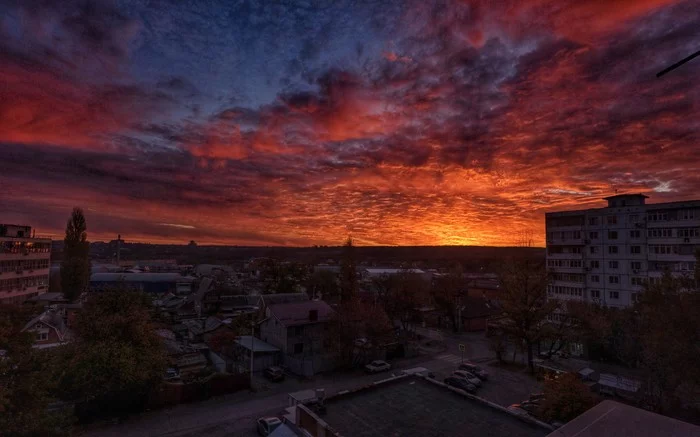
[605,255]
[24,264]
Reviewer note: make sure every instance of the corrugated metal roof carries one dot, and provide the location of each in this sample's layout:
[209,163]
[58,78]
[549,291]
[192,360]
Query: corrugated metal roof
[257,344]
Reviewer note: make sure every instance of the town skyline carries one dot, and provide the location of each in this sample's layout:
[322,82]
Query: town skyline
[399,123]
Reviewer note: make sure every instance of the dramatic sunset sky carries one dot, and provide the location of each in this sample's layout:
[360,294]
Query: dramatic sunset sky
[299,122]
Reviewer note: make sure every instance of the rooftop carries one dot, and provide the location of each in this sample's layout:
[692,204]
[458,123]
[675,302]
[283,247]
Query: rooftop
[379,271]
[258,345]
[616,419]
[299,313]
[414,407]
[139,277]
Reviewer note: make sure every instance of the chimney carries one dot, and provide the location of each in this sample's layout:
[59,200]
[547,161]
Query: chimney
[313,315]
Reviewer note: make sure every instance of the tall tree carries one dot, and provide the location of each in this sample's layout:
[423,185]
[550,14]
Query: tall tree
[447,290]
[75,266]
[348,272]
[566,398]
[117,357]
[525,304]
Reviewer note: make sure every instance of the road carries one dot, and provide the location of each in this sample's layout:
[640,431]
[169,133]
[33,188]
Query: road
[235,415]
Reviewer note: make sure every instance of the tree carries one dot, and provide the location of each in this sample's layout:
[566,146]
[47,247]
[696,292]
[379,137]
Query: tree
[447,291]
[400,295]
[354,321]
[566,398]
[348,272]
[75,266]
[323,284]
[117,357]
[27,381]
[525,304]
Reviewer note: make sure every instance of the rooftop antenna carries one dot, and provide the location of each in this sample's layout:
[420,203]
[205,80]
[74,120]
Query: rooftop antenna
[678,64]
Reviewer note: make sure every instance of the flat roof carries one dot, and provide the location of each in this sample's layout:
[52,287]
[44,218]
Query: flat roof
[620,420]
[258,345]
[140,277]
[414,407]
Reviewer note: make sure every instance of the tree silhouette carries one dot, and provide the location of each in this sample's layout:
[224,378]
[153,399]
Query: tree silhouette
[75,266]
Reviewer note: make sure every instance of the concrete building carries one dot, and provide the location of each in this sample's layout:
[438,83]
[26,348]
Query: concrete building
[605,255]
[156,283]
[24,264]
[408,406]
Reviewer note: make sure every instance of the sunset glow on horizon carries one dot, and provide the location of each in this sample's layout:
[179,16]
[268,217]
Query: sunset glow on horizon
[410,122]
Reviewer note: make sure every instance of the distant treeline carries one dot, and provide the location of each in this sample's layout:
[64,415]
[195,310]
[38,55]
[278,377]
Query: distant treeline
[470,257]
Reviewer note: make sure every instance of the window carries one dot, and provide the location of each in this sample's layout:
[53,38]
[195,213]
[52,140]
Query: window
[635,297]
[575,250]
[614,295]
[612,235]
[595,294]
[636,265]
[688,232]
[661,250]
[612,219]
[635,234]
[660,232]
[686,214]
[593,235]
[595,264]
[614,279]
[612,249]
[595,278]
[594,249]
[298,330]
[636,280]
[657,216]
[633,218]
[577,235]
[299,348]
[592,221]
[635,249]
[613,264]
[42,336]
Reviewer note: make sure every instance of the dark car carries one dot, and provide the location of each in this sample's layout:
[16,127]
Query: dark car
[475,370]
[274,374]
[460,383]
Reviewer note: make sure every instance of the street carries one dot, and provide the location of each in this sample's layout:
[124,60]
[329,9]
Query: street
[235,414]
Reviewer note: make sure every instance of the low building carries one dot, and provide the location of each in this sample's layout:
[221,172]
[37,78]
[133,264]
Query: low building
[610,418]
[300,331]
[50,329]
[476,312]
[410,406]
[25,260]
[154,283]
[373,272]
[264,354]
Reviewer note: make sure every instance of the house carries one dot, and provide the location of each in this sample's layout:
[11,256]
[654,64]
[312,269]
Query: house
[156,283]
[264,354]
[49,328]
[204,329]
[300,331]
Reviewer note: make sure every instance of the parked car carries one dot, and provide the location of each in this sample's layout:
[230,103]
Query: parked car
[273,373]
[377,366]
[460,383]
[266,425]
[530,407]
[170,374]
[536,397]
[468,376]
[515,408]
[475,370]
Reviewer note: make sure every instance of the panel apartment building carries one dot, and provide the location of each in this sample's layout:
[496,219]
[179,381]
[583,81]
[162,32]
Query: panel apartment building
[604,255]
[24,264]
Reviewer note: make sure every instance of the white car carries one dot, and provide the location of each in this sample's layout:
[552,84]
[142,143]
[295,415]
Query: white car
[468,376]
[377,366]
[266,425]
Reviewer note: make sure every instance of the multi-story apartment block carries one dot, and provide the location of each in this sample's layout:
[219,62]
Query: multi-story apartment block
[24,264]
[605,255]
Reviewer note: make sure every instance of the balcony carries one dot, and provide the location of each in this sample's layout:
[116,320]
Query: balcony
[567,255]
[24,255]
[567,242]
[670,257]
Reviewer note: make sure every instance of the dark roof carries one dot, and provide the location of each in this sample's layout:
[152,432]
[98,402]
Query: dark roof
[48,297]
[51,319]
[140,277]
[271,299]
[414,407]
[610,418]
[622,196]
[297,313]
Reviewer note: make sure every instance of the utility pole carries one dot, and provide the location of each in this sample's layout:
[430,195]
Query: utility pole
[252,351]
